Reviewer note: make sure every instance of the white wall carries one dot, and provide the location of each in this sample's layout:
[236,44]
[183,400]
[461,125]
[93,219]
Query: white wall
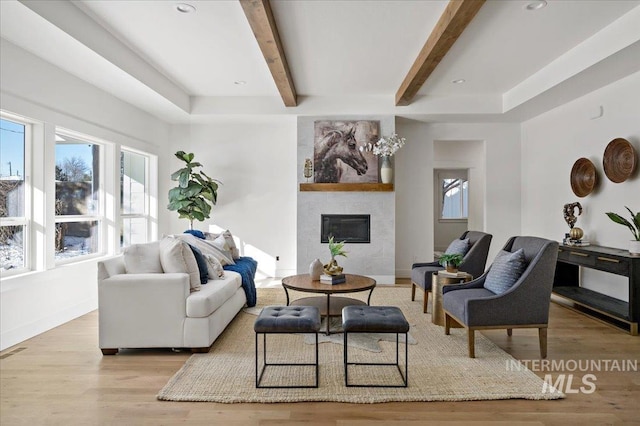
[35,302]
[256,161]
[414,185]
[552,142]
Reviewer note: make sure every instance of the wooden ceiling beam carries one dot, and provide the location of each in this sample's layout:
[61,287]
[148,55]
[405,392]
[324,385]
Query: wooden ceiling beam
[263,25]
[455,18]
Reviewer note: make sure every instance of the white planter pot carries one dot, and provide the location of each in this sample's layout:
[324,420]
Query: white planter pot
[634,247]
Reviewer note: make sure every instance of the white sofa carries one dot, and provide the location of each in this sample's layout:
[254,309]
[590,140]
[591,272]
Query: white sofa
[151,310]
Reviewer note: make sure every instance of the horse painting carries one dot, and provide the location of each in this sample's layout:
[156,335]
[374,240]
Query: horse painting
[333,146]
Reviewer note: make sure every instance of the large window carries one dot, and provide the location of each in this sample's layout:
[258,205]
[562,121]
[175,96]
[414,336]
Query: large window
[454,192]
[78,209]
[14,211]
[134,198]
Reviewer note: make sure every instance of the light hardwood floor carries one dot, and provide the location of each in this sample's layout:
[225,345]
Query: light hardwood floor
[60,377]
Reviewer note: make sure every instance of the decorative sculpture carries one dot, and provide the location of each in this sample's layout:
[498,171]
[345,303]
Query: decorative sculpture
[575,233]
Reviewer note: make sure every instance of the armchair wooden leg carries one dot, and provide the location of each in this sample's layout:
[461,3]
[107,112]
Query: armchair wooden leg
[200,350]
[542,336]
[472,342]
[109,351]
[413,291]
[425,301]
[509,331]
[447,323]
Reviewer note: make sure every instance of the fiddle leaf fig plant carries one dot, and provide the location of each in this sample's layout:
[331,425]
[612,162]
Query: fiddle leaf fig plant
[634,225]
[196,192]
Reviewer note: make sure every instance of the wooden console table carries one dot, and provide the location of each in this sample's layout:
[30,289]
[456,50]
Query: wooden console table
[625,315]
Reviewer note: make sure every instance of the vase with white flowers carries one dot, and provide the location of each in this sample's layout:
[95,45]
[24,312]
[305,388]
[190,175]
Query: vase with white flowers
[386,147]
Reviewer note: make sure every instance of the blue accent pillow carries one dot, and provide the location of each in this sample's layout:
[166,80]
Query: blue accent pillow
[507,268]
[458,247]
[195,233]
[202,264]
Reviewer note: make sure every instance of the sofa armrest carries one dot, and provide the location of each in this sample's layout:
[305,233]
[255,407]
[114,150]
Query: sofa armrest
[142,310]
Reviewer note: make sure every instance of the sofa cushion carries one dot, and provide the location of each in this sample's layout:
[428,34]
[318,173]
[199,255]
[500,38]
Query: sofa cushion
[228,244]
[202,264]
[142,258]
[208,248]
[505,271]
[214,267]
[176,256]
[213,295]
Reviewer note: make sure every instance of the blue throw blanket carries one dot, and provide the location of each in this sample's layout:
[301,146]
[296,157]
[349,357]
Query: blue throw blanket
[246,267]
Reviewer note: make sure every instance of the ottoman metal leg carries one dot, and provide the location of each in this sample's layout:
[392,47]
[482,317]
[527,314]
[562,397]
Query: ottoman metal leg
[404,376]
[285,320]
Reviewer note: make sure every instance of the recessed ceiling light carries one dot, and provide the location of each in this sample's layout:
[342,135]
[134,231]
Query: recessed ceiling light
[459,81]
[239,82]
[535,5]
[185,8]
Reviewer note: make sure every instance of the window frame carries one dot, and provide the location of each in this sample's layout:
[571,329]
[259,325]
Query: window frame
[460,174]
[147,196]
[100,216]
[26,221]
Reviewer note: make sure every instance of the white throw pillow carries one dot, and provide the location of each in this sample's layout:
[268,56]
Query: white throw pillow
[143,258]
[208,247]
[230,244]
[176,256]
[214,267]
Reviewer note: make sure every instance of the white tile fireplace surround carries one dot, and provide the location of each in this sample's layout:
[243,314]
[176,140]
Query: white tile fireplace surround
[376,259]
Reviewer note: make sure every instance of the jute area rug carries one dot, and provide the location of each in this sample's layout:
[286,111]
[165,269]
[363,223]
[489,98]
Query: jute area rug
[439,368]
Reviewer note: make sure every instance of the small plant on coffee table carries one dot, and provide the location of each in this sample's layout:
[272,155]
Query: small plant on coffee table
[451,261]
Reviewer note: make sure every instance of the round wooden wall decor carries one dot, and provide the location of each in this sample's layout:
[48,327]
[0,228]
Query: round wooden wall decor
[619,160]
[583,177]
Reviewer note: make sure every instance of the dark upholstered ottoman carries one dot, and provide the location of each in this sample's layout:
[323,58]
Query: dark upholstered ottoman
[375,319]
[285,319]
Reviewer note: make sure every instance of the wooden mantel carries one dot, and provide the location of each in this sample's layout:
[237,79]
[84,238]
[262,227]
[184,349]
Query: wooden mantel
[363,187]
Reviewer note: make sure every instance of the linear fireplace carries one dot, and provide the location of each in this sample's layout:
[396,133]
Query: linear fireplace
[351,228]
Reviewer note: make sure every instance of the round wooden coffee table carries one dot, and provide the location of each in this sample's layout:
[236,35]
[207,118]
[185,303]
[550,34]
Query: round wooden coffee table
[329,306]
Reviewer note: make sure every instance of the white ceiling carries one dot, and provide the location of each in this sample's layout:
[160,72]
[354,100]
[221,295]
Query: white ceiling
[345,56]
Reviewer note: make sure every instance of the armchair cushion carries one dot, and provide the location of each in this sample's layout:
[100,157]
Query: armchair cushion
[458,247]
[505,271]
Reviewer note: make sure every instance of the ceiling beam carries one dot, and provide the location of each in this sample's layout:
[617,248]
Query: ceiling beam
[263,25]
[454,20]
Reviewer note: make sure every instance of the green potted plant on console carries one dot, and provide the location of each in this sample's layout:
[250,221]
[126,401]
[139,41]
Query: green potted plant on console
[634,226]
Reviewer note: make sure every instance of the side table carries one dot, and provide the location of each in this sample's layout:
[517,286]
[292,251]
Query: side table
[439,281]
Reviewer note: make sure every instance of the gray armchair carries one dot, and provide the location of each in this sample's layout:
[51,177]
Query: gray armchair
[524,305]
[473,263]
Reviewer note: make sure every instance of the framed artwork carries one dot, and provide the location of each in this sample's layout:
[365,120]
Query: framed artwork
[337,157]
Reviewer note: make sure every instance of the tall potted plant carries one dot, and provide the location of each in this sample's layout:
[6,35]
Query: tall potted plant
[196,192]
[634,227]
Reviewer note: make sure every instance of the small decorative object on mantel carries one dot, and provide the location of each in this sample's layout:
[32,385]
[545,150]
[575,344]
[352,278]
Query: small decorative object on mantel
[308,168]
[315,270]
[336,249]
[634,227]
[619,160]
[451,262]
[575,234]
[386,147]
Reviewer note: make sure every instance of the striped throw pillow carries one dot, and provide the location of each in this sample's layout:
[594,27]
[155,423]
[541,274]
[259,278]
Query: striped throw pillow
[506,269]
